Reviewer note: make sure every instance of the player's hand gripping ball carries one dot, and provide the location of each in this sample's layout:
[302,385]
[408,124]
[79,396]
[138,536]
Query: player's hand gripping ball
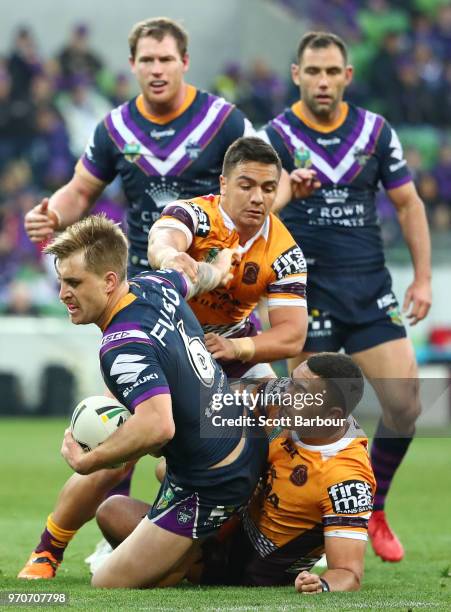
[95,419]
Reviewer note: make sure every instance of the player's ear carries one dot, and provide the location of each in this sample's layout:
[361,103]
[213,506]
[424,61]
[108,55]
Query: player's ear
[349,73]
[111,281]
[222,184]
[336,413]
[186,61]
[295,73]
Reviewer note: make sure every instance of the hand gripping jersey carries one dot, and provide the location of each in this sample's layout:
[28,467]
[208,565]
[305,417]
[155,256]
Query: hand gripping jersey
[272,265]
[337,225]
[311,492]
[160,159]
[153,345]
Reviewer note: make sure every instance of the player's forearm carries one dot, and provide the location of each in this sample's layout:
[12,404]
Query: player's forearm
[342,580]
[164,244]
[414,225]
[131,441]
[70,205]
[279,342]
[208,278]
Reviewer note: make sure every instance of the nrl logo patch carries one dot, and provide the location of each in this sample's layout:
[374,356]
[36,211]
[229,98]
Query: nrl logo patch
[132,151]
[302,158]
[395,315]
[192,149]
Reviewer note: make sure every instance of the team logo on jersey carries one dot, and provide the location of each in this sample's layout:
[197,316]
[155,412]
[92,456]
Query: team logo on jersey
[395,315]
[250,273]
[132,151]
[185,515]
[193,149]
[335,195]
[302,158]
[361,156]
[351,497]
[290,262]
[299,475]
[203,227]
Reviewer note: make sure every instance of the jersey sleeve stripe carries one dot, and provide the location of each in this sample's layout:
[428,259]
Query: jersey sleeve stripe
[403,180]
[150,393]
[345,521]
[297,289]
[351,535]
[122,342]
[92,169]
[287,301]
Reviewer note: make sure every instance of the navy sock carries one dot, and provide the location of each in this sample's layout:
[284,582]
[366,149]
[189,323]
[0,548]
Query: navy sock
[387,452]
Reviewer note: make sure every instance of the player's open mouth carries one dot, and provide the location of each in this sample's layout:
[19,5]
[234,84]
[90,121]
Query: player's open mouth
[71,308]
[158,85]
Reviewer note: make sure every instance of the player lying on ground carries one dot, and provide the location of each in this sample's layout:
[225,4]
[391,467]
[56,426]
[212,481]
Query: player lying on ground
[171,380]
[351,302]
[317,495]
[272,266]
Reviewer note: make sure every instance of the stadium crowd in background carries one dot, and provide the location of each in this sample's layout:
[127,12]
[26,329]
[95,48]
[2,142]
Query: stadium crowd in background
[48,106]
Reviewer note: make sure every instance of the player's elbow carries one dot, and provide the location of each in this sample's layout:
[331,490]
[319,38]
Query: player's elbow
[294,342]
[164,434]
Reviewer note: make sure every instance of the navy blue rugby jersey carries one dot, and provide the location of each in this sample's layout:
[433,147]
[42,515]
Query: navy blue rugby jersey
[163,159]
[338,226]
[153,345]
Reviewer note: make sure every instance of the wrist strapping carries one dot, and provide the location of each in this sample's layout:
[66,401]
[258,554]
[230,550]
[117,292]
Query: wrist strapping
[244,348]
[165,256]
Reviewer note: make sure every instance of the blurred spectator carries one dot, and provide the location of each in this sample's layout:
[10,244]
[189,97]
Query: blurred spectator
[51,160]
[121,91]
[383,75]
[81,108]
[443,32]
[19,301]
[77,59]
[267,92]
[231,84]
[23,63]
[415,104]
[442,173]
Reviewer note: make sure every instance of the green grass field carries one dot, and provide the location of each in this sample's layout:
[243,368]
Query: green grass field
[419,507]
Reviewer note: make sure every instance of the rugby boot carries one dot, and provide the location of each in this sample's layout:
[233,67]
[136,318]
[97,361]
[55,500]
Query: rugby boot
[385,543]
[40,566]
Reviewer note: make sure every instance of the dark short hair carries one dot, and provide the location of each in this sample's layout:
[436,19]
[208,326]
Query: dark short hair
[250,149]
[321,40]
[344,379]
[158,28]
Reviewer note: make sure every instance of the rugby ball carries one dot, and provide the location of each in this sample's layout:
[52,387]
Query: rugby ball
[95,418]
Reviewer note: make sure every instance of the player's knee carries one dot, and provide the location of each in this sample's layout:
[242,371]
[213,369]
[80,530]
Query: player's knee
[108,516]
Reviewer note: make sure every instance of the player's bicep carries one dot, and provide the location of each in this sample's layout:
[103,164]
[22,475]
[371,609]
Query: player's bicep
[155,413]
[402,196]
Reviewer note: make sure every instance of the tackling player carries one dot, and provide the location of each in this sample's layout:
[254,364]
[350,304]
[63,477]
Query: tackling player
[272,264]
[153,359]
[317,496]
[351,302]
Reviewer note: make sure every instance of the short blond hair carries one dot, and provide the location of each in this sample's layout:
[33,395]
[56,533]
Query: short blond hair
[158,28]
[102,242]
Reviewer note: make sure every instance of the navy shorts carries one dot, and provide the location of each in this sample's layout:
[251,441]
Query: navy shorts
[353,311]
[199,511]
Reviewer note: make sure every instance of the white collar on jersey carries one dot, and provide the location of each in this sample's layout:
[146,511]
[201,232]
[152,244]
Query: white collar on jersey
[263,231]
[330,450]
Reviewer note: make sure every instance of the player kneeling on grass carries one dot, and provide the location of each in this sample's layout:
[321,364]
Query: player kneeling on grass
[317,495]
[154,361]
